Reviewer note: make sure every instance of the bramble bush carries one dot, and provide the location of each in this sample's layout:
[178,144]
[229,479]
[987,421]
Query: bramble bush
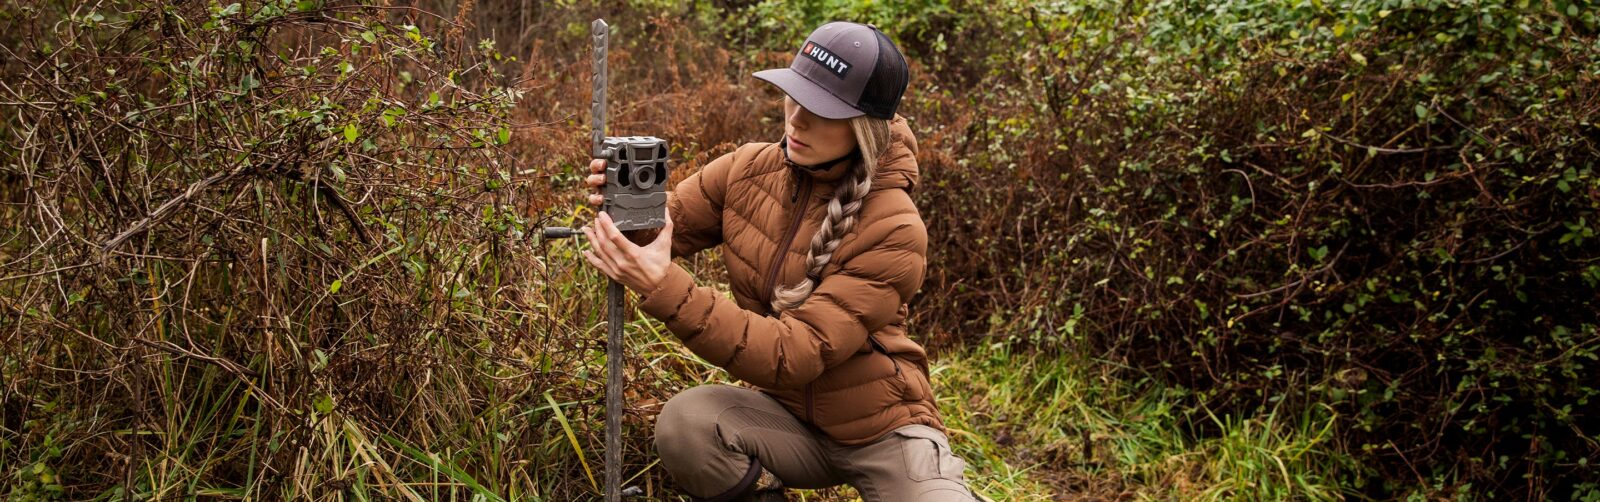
[1385,209]
[280,249]
[245,234]
[1385,206]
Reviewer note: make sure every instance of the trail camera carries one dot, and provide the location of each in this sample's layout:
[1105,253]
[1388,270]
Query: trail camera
[636,181]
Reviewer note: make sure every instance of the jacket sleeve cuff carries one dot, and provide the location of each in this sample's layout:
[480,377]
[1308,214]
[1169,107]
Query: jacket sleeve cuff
[663,302]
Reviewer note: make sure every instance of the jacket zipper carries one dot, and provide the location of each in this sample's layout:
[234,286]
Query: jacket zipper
[802,194]
[809,401]
[794,227]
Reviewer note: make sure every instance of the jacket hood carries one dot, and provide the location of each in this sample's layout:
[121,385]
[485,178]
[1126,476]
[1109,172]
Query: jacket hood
[896,169]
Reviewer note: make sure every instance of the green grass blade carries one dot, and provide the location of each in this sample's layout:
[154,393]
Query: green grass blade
[565,426]
[439,466]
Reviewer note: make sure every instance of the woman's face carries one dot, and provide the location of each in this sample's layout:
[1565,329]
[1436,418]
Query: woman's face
[812,139]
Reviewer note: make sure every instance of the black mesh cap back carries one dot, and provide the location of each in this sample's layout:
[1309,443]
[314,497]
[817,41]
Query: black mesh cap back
[888,82]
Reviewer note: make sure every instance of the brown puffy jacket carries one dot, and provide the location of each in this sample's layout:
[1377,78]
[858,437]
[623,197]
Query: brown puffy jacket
[841,361]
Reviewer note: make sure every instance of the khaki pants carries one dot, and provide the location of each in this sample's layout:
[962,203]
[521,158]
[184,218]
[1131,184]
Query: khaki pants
[715,439]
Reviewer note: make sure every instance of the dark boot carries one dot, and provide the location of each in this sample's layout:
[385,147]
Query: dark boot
[767,488]
[769,496]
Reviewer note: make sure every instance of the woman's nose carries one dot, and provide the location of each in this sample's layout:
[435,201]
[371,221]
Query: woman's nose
[798,118]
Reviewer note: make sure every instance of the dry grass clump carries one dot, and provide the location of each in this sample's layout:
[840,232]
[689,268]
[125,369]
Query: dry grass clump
[1387,212]
[280,249]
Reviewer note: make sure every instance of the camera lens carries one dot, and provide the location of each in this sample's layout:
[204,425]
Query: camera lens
[644,178]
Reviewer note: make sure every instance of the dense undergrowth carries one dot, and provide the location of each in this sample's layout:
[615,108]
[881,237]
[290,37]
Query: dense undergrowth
[1377,207]
[1238,249]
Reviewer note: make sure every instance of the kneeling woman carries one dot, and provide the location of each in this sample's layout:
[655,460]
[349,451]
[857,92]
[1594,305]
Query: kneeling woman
[823,247]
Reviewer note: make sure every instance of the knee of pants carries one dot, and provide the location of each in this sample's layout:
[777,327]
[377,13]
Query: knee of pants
[686,429]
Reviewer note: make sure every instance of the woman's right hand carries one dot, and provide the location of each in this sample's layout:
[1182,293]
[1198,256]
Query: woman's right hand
[596,181]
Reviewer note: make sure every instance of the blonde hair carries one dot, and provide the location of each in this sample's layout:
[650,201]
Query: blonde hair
[872,137]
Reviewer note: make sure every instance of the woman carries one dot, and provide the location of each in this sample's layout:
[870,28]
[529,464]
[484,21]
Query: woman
[824,247]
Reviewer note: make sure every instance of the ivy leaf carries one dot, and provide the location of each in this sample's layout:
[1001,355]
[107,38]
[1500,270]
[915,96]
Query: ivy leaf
[1318,253]
[504,136]
[388,117]
[248,83]
[351,133]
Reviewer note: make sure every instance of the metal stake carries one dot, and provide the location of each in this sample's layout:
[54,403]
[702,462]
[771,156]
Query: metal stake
[614,289]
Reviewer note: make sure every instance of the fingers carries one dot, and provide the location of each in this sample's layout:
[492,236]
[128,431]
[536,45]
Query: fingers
[596,181]
[666,229]
[618,241]
[599,253]
[664,238]
[609,242]
[605,268]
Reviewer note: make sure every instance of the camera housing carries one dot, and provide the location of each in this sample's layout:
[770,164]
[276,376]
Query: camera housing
[636,181]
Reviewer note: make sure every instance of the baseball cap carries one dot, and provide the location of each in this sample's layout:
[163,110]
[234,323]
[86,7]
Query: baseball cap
[844,70]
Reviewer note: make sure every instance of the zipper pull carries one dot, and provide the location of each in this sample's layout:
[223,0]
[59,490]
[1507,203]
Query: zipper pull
[794,195]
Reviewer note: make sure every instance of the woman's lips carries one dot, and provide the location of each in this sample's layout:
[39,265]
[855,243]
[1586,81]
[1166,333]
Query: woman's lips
[797,142]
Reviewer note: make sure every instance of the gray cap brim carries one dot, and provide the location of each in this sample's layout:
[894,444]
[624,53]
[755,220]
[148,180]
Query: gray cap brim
[810,95]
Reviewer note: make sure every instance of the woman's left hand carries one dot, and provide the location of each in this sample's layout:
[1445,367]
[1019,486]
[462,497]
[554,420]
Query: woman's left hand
[640,268]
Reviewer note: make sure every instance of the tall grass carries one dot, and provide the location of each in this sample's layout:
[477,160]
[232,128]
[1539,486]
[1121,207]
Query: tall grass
[382,328]
[1034,425]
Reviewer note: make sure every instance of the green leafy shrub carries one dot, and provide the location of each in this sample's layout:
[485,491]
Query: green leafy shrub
[247,230]
[1380,208]
[1384,206]
[275,246]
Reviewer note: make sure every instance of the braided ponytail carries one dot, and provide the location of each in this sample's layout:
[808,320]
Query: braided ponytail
[872,137]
